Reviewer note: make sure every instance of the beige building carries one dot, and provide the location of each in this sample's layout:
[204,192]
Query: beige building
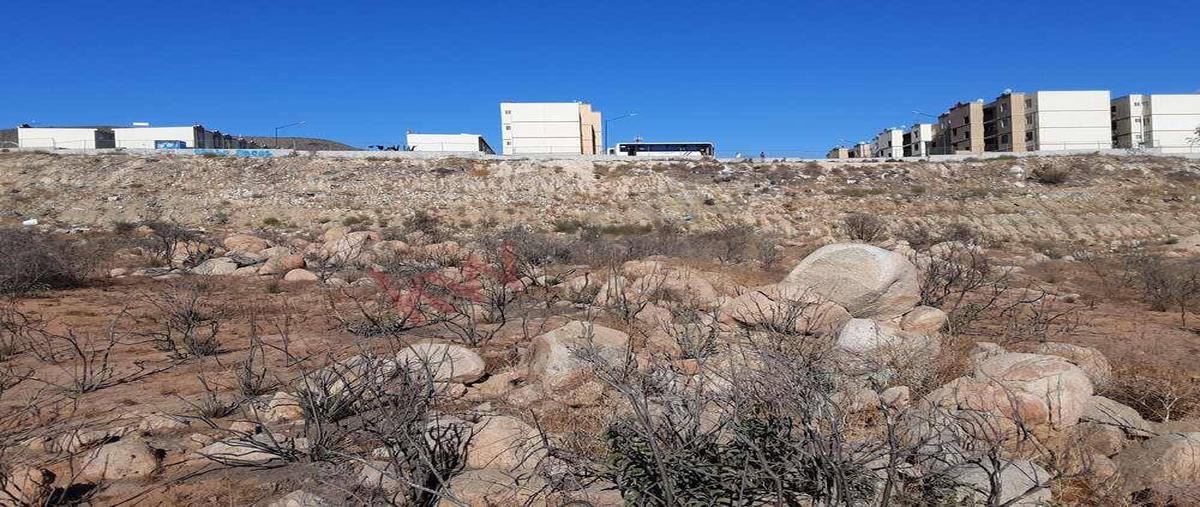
[919,139]
[961,129]
[839,152]
[862,150]
[1004,123]
[1164,122]
[1068,120]
[567,128]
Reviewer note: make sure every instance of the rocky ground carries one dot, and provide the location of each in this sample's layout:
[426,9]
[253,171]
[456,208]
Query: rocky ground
[1011,332]
[1104,199]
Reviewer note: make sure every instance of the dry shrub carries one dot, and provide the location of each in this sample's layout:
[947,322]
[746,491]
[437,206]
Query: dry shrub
[1166,285]
[1048,174]
[920,236]
[1158,393]
[33,261]
[864,227]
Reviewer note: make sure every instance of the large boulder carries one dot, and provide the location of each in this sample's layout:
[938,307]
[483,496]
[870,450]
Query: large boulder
[1021,482]
[1101,410]
[504,443]
[281,264]
[867,337]
[676,285]
[613,292]
[252,450]
[924,320]
[491,487]
[216,266]
[300,275]
[555,359]
[868,281]
[784,308]
[443,361]
[120,460]
[1090,360]
[1166,462]
[25,485]
[1064,387]
[980,409]
[245,243]
[351,247]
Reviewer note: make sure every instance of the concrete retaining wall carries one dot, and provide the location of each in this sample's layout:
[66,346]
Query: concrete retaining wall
[416,155]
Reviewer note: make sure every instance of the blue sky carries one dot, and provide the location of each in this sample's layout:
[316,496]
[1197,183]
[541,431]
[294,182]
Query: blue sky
[787,77]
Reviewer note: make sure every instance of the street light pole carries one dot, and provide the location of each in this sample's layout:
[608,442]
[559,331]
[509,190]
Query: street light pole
[627,115]
[277,129]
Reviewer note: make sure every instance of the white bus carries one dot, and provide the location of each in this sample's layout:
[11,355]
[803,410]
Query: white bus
[665,150]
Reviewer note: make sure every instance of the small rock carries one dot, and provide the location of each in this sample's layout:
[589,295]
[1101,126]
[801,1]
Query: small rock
[300,498]
[444,362]
[300,275]
[120,460]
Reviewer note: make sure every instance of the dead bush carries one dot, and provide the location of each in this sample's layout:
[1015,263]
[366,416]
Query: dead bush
[921,237]
[166,238]
[1165,285]
[1050,174]
[189,324]
[864,227]
[1158,393]
[33,261]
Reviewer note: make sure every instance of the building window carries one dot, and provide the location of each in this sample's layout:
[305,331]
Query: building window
[1029,136]
[508,127]
[507,111]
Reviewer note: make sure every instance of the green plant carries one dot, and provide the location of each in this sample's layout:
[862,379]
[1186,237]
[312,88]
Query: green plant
[272,222]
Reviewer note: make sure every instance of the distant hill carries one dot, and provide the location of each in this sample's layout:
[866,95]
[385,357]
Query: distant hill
[8,139]
[301,143]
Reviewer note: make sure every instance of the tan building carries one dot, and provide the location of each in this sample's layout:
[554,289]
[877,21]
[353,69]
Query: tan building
[567,128]
[590,134]
[1004,123]
[862,150]
[961,129]
[838,153]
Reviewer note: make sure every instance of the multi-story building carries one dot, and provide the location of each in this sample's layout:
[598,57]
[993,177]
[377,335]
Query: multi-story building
[919,139]
[862,150]
[1004,123]
[447,143]
[961,129]
[65,137]
[889,144]
[1068,120]
[838,153]
[1164,122]
[195,136]
[568,128]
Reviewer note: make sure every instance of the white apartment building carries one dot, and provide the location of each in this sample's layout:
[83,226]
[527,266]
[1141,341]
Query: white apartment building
[568,128]
[195,136]
[889,144]
[54,138]
[447,143]
[1068,120]
[861,150]
[918,140]
[1162,122]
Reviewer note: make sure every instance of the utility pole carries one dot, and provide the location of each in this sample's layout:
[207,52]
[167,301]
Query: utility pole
[277,129]
[606,140]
